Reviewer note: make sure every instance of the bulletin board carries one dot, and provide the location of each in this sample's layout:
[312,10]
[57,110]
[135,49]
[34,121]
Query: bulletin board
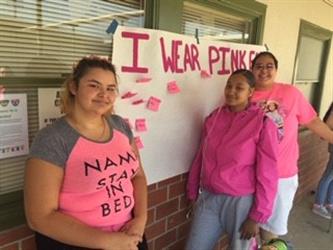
[168,84]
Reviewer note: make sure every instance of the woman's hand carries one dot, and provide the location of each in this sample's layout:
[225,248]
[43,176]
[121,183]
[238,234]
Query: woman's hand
[134,227]
[122,241]
[249,229]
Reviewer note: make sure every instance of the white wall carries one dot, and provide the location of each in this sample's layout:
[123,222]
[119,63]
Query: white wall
[281,36]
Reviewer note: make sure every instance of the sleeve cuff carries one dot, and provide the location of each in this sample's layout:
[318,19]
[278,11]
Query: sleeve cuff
[259,218]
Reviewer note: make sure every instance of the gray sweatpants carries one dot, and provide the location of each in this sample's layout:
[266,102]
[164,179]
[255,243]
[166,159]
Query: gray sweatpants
[215,215]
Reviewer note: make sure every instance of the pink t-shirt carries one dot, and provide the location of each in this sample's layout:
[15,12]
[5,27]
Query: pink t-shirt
[97,184]
[291,109]
[98,178]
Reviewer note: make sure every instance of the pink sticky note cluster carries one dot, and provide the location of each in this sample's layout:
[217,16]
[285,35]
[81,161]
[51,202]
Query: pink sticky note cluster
[140,125]
[204,74]
[173,87]
[138,142]
[153,103]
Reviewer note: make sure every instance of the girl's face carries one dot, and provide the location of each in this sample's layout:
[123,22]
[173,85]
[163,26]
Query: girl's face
[237,92]
[264,71]
[96,92]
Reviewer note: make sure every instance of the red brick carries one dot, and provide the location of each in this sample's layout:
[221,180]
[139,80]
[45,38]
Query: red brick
[10,247]
[155,229]
[180,244]
[184,229]
[176,219]
[312,161]
[152,187]
[29,244]
[165,240]
[157,197]
[151,216]
[184,203]
[14,234]
[169,181]
[185,176]
[167,209]
[177,189]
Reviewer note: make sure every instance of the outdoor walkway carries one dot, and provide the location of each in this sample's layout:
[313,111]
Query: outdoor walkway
[308,231]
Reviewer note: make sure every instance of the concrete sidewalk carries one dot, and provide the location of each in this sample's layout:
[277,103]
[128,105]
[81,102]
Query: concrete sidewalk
[308,231]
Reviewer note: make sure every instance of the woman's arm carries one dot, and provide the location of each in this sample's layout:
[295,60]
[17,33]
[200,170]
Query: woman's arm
[266,173]
[137,225]
[321,129]
[266,180]
[42,186]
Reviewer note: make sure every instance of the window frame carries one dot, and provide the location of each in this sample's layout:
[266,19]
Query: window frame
[12,204]
[160,11]
[307,29]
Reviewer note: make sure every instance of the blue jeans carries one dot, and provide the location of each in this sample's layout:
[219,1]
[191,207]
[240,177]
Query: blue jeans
[324,193]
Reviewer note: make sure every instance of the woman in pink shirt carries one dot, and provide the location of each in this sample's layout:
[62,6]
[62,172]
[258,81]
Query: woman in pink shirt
[235,168]
[84,183]
[293,110]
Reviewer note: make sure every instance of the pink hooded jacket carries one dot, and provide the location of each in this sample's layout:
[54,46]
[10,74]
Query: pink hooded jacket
[237,157]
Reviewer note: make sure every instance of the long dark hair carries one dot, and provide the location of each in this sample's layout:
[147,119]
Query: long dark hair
[247,74]
[265,53]
[328,112]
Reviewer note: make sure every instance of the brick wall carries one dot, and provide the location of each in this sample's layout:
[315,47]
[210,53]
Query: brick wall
[312,162]
[167,226]
[18,238]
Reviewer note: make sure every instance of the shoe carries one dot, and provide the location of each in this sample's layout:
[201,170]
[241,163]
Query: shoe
[329,208]
[321,211]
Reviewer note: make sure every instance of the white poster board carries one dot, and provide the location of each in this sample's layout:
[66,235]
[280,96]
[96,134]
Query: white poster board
[48,106]
[185,81]
[14,139]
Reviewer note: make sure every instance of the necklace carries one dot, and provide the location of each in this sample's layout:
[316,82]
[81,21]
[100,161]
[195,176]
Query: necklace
[103,131]
[90,133]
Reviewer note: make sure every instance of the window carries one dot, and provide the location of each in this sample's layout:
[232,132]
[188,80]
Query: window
[311,61]
[40,40]
[222,22]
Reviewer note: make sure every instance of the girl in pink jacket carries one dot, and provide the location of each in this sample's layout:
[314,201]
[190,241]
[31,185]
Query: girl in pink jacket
[235,170]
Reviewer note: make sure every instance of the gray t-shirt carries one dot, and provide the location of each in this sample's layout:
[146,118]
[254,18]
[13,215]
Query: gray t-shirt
[97,186]
[54,143]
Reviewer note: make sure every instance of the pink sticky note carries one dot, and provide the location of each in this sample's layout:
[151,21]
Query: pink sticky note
[205,74]
[140,125]
[173,87]
[137,102]
[128,94]
[138,142]
[128,122]
[153,103]
[143,80]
